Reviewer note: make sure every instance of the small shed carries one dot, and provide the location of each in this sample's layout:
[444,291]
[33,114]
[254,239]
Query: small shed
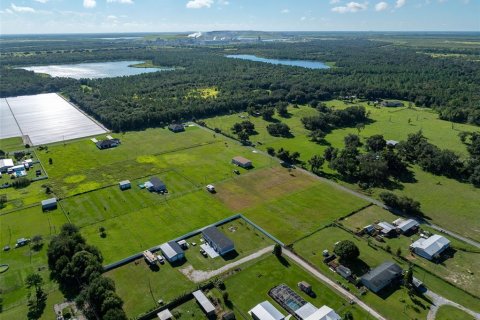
[107,144]
[408,226]
[344,271]
[176,127]
[242,162]
[386,228]
[124,185]
[203,301]
[49,204]
[172,251]
[305,287]
[165,315]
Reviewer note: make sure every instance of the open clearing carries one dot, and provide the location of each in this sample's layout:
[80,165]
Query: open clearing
[433,192]
[452,313]
[45,118]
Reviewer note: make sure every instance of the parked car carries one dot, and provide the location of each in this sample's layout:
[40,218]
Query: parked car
[211,188]
[160,259]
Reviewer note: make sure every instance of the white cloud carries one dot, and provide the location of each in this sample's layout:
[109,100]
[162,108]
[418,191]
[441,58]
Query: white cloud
[89,3]
[198,4]
[351,7]
[303,18]
[285,11]
[400,3]
[381,6]
[121,1]
[223,2]
[41,1]
[334,1]
[21,9]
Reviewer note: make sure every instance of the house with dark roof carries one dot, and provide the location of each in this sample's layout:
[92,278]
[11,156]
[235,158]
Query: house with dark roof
[382,276]
[242,162]
[217,240]
[172,251]
[156,185]
[175,127]
[107,144]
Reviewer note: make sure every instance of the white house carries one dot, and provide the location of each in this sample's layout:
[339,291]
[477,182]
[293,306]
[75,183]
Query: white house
[5,164]
[431,247]
[266,311]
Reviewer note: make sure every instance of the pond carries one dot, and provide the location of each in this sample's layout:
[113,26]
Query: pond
[95,70]
[309,64]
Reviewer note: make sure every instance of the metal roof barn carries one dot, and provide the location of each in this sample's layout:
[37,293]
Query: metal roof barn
[46,118]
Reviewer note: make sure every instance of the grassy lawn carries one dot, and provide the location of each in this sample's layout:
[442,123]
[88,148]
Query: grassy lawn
[250,287]
[20,312]
[452,313]
[458,269]
[144,228]
[195,154]
[398,305]
[188,310]
[140,287]
[301,212]
[22,261]
[11,144]
[433,192]
[110,202]
[246,239]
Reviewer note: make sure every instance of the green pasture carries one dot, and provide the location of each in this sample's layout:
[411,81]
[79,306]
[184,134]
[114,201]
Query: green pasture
[22,261]
[451,313]
[11,144]
[141,229]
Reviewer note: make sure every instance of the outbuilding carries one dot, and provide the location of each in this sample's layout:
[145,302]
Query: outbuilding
[156,185]
[124,185]
[49,204]
[386,228]
[431,247]
[265,311]
[175,127]
[217,240]
[382,276]
[5,164]
[203,301]
[407,226]
[172,251]
[242,162]
[324,313]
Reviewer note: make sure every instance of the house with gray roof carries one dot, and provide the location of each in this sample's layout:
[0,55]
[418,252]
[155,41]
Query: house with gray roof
[172,251]
[217,240]
[382,276]
[265,311]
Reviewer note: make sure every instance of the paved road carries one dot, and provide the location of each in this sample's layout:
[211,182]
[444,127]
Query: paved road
[332,284]
[438,301]
[200,275]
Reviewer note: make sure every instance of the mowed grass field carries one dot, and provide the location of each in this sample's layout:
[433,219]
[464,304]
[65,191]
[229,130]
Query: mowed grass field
[433,192]
[458,269]
[394,305]
[452,313]
[288,204]
[80,166]
[22,261]
[250,286]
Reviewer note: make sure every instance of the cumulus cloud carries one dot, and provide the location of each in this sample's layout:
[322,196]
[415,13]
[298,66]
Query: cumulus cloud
[89,4]
[41,1]
[381,6]
[21,9]
[198,4]
[121,1]
[285,11]
[334,1]
[351,7]
[400,3]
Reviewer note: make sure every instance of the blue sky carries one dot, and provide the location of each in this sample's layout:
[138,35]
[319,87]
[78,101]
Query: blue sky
[87,16]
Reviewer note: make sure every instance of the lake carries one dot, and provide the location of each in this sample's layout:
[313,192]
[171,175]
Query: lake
[309,64]
[94,70]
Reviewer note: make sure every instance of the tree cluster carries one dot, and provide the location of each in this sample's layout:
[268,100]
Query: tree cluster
[244,130]
[77,267]
[405,204]
[279,129]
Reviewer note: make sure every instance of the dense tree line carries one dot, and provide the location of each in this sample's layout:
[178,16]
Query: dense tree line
[367,69]
[77,267]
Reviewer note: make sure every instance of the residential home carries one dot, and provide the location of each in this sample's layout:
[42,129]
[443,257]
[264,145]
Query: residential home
[265,311]
[431,247]
[382,276]
[217,240]
[242,162]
